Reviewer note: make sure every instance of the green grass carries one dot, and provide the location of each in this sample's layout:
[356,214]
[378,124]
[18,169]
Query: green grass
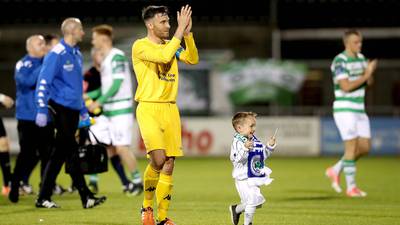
[204,189]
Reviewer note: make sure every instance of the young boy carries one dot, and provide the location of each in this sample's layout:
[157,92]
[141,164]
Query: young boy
[247,156]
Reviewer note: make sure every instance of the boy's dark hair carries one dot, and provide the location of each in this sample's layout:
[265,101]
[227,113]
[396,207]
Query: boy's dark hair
[239,117]
[49,37]
[152,10]
[350,32]
[104,29]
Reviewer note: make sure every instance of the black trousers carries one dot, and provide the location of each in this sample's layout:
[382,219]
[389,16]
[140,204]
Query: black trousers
[34,141]
[66,122]
[3,132]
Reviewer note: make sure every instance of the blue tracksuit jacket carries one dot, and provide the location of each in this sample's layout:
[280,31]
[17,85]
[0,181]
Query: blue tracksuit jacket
[26,73]
[60,78]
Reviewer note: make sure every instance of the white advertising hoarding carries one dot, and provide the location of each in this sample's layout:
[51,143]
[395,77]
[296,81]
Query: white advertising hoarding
[212,136]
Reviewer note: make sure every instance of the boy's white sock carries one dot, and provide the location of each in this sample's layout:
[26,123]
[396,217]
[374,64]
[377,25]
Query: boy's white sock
[248,215]
[240,208]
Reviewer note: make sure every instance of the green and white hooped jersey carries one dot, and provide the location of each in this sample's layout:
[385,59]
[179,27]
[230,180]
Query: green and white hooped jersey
[351,68]
[115,66]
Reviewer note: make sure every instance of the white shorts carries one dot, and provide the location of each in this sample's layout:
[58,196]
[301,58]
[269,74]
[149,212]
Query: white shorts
[352,125]
[249,194]
[115,130]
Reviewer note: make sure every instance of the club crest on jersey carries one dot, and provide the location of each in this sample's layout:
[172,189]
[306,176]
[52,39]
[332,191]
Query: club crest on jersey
[68,66]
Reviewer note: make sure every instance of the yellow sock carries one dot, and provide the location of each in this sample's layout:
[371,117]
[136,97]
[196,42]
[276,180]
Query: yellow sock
[163,193]
[150,180]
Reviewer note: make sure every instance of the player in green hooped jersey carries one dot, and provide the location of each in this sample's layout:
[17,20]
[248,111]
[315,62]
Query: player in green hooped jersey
[351,73]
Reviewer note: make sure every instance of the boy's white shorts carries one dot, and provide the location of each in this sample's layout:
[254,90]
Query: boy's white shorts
[115,130]
[249,194]
[352,125]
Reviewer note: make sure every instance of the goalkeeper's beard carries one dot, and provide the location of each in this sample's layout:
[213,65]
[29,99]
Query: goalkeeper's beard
[163,34]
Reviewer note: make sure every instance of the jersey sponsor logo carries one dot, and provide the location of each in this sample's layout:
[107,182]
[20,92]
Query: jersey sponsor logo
[68,66]
[167,77]
[164,73]
[355,66]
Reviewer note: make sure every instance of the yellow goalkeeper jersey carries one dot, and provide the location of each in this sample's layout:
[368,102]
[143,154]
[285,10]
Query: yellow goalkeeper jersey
[156,67]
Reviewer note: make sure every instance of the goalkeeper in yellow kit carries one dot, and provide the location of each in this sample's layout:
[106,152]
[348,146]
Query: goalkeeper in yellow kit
[155,62]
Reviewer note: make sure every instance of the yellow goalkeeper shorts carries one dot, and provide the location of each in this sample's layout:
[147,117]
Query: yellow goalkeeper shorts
[160,127]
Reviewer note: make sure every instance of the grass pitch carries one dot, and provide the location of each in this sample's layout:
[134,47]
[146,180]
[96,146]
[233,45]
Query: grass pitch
[300,194]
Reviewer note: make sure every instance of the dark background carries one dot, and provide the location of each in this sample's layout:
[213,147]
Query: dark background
[243,27]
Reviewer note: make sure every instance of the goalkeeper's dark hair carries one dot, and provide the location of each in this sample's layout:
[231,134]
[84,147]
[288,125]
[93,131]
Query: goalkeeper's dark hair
[350,32]
[239,117]
[152,10]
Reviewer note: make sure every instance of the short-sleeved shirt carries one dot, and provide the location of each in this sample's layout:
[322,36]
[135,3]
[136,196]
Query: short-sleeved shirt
[115,66]
[352,68]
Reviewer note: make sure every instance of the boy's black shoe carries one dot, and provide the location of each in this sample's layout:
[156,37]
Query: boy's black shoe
[234,216]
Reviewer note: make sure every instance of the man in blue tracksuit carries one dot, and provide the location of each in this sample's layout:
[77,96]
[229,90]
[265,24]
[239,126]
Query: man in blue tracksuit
[59,88]
[25,89]
[32,139]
